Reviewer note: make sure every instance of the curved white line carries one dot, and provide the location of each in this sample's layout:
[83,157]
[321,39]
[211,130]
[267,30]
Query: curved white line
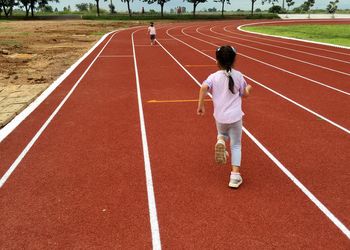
[289,43]
[280,47]
[276,54]
[289,72]
[262,85]
[295,74]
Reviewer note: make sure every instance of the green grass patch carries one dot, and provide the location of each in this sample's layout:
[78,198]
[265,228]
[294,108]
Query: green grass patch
[10,43]
[338,34]
[98,33]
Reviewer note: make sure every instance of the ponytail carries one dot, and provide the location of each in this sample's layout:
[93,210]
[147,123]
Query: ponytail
[225,55]
[231,83]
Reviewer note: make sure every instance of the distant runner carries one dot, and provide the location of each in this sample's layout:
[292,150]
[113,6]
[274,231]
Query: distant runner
[152,32]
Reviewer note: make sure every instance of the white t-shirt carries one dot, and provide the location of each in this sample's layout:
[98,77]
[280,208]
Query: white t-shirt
[227,106]
[152,30]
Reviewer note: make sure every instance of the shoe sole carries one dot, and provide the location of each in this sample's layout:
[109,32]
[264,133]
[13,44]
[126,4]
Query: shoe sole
[231,185]
[220,153]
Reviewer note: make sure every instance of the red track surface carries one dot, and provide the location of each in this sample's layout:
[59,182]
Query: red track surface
[82,184]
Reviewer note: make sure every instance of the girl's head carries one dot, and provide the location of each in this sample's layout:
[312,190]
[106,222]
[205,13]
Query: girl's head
[152,24]
[225,57]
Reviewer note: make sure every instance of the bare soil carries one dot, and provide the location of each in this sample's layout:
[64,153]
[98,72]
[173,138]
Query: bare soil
[37,52]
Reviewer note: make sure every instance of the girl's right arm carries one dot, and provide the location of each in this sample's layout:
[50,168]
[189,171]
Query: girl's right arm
[202,93]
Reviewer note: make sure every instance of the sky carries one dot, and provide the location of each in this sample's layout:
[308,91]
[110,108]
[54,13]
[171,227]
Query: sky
[137,5]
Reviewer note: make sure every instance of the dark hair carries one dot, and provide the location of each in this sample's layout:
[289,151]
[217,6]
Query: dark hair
[226,55]
[151,23]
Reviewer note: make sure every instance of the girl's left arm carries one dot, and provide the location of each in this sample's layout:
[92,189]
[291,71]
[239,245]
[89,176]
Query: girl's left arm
[247,90]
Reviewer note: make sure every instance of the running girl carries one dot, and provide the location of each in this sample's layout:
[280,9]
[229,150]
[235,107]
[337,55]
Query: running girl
[227,87]
[152,32]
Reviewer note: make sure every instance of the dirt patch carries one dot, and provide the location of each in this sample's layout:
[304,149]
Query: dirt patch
[40,51]
[35,53]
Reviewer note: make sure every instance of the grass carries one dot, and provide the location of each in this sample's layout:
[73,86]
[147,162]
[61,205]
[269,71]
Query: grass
[338,34]
[10,43]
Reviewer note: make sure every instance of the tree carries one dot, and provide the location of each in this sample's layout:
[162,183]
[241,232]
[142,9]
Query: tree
[289,4]
[275,9]
[222,5]
[128,2]
[7,6]
[25,4]
[332,7]
[98,7]
[82,7]
[160,2]
[252,11]
[269,1]
[112,7]
[195,3]
[308,5]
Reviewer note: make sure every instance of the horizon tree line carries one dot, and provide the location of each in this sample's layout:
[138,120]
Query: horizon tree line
[30,6]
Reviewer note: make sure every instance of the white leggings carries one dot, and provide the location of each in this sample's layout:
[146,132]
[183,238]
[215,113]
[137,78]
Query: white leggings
[234,132]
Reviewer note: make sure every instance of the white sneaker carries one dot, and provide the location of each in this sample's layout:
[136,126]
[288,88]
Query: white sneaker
[220,152]
[235,180]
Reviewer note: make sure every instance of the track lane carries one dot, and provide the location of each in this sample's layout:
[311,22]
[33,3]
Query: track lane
[313,96]
[326,51]
[195,207]
[72,190]
[316,59]
[304,68]
[304,130]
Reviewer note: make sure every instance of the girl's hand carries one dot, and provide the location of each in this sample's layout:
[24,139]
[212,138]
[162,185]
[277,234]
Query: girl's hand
[201,111]
[247,90]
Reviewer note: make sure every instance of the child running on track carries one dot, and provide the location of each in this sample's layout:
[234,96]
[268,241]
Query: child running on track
[227,87]
[152,32]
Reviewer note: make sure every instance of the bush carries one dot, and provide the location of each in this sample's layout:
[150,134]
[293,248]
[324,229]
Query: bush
[275,9]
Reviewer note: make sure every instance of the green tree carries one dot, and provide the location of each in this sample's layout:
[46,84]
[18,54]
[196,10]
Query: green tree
[128,3]
[195,4]
[275,9]
[252,9]
[308,5]
[332,7]
[290,3]
[160,2]
[7,6]
[111,7]
[222,5]
[25,4]
[82,7]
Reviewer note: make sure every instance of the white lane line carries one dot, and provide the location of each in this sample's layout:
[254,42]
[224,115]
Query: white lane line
[313,198]
[115,56]
[276,46]
[149,182]
[291,38]
[276,54]
[5,131]
[286,71]
[44,126]
[262,85]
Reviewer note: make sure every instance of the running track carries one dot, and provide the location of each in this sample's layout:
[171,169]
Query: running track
[122,161]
